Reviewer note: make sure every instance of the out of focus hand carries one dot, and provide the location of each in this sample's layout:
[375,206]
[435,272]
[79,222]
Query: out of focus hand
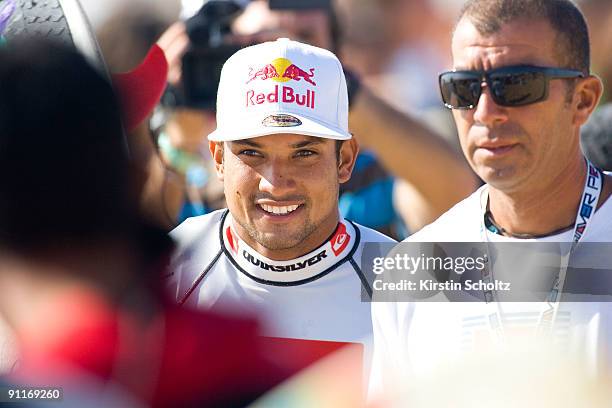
[174,41]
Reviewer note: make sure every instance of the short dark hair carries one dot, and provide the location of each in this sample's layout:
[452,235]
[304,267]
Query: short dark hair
[63,158]
[338,147]
[573,48]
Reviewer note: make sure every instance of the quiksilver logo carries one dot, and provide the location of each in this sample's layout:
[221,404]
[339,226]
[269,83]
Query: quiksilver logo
[284,268]
[340,240]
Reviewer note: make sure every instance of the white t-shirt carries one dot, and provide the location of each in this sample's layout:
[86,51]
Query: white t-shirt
[315,297]
[419,338]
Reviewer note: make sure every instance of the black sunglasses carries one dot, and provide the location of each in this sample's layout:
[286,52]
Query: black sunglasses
[512,86]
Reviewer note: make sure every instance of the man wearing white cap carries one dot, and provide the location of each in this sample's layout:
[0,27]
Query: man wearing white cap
[282,148]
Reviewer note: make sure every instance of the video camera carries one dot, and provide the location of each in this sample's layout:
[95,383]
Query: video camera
[209,49]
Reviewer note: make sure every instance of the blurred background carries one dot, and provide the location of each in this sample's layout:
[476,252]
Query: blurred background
[382,38]
[395,48]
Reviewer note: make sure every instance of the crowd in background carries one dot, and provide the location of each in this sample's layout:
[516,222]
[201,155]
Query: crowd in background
[396,49]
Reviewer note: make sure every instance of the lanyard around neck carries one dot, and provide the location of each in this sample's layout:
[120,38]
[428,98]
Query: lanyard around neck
[588,203]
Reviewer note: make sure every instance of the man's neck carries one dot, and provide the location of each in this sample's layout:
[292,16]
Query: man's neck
[541,209]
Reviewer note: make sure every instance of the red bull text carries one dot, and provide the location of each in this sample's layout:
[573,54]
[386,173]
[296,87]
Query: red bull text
[281,70]
[286,95]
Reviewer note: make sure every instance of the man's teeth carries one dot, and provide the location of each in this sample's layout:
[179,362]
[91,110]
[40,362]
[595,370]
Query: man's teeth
[279,210]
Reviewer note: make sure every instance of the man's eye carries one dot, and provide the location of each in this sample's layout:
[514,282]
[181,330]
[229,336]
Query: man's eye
[248,152]
[305,153]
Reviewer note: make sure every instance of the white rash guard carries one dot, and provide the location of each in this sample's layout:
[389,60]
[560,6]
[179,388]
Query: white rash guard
[317,297]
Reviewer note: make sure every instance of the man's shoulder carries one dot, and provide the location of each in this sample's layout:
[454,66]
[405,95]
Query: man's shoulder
[460,223]
[195,227]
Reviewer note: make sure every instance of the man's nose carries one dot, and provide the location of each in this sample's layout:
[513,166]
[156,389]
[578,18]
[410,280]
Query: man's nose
[277,179]
[487,112]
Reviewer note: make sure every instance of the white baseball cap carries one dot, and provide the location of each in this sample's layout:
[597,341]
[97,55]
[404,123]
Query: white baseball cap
[281,86]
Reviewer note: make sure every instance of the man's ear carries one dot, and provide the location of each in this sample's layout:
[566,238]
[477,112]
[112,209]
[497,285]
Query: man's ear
[588,93]
[348,156]
[216,150]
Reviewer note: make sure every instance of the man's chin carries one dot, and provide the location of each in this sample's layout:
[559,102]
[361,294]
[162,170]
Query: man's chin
[501,178]
[282,237]
[278,241]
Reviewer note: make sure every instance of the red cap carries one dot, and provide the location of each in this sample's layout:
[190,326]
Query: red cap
[140,90]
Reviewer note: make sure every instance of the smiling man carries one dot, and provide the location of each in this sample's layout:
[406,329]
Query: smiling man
[282,148]
[520,90]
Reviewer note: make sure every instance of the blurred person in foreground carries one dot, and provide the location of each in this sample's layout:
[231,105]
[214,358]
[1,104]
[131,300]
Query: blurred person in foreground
[282,148]
[125,39]
[520,90]
[394,146]
[80,275]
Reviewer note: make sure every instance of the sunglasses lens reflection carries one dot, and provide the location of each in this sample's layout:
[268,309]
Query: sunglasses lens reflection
[461,90]
[518,89]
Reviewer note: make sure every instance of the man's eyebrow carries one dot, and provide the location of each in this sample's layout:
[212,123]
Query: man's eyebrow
[246,142]
[306,143]
[298,145]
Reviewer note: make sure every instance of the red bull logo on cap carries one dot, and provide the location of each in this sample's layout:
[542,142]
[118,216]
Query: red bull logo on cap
[281,70]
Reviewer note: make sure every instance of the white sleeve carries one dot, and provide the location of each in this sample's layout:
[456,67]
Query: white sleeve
[185,231]
[184,236]
[388,361]
[180,235]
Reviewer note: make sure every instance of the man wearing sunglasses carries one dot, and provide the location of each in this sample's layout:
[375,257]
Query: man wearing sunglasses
[520,90]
